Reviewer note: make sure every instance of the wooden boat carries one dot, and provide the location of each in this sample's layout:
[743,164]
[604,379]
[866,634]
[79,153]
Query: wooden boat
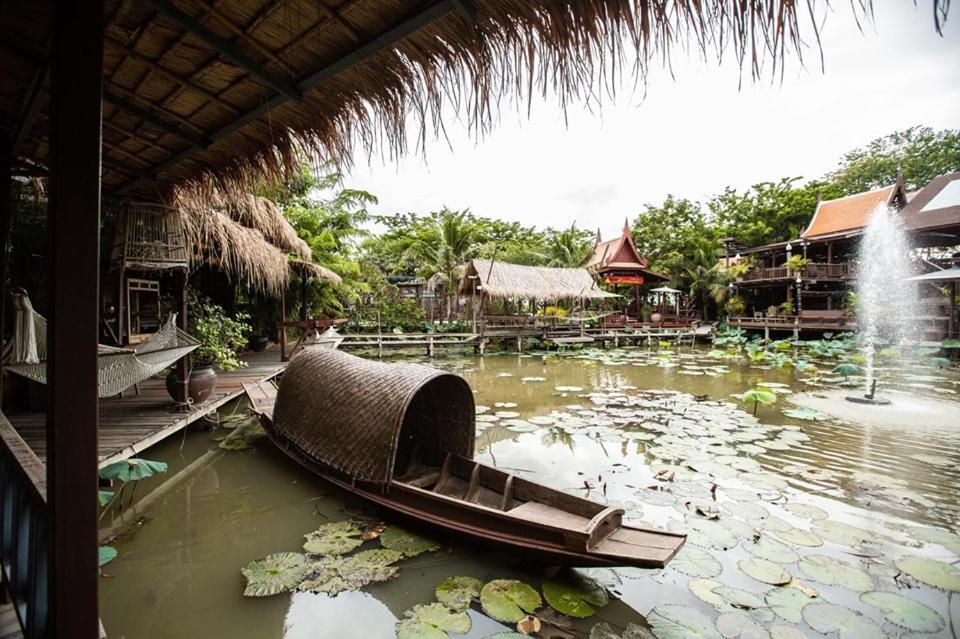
[401,436]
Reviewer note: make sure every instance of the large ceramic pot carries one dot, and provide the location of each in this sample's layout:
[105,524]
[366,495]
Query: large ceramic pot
[201,384]
[258,344]
[656,318]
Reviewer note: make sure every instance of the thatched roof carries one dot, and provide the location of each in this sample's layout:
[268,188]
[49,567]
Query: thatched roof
[312,269]
[263,215]
[501,280]
[235,92]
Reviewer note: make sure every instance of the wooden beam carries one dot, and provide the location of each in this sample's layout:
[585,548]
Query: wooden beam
[170,75]
[386,39]
[247,37]
[195,27]
[72,372]
[6,213]
[152,119]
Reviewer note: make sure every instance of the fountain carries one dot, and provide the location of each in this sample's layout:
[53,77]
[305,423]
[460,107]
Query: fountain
[886,298]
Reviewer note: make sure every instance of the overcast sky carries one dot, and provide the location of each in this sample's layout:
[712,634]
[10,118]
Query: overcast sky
[690,135]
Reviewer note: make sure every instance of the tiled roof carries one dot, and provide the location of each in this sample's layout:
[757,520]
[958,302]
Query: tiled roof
[847,214]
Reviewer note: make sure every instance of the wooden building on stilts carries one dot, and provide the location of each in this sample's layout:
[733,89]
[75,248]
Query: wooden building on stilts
[617,263]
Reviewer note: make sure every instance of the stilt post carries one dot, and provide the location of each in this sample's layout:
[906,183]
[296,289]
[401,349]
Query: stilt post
[74,214]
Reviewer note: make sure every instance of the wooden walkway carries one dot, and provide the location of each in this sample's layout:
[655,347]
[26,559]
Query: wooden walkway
[9,625]
[134,423]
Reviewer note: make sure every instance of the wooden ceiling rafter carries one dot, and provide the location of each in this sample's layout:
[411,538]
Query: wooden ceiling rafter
[245,35]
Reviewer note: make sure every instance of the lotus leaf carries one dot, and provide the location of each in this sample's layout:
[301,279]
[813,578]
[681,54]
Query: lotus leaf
[772,550]
[787,602]
[574,595]
[334,574]
[508,635]
[457,593]
[106,555]
[841,533]
[848,624]
[276,573]
[905,612]
[778,631]
[804,412]
[132,469]
[739,624]
[509,600]
[934,573]
[432,621]
[739,598]
[406,542]
[711,534]
[104,497]
[830,571]
[765,571]
[847,369]
[939,362]
[696,563]
[335,538]
[703,589]
[678,621]
[945,538]
[807,511]
[799,537]
[632,631]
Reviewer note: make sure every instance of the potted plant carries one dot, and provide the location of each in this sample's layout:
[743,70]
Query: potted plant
[787,308]
[735,306]
[796,264]
[220,337]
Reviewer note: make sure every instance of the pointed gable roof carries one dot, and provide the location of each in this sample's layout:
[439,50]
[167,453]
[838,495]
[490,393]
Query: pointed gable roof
[620,253]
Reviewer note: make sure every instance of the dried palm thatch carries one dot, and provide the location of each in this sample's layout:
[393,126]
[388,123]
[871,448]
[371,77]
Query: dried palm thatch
[312,269]
[357,74]
[501,280]
[259,213]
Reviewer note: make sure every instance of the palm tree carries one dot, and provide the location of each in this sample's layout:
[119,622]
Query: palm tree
[443,245]
[702,276]
[568,248]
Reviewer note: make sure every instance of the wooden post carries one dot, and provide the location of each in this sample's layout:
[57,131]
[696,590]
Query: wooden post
[282,328]
[72,417]
[303,298]
[6,213]
[183,364]
[952,326]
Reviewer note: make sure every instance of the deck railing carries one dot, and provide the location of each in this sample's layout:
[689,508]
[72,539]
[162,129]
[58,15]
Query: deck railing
[24,530]
[812,270]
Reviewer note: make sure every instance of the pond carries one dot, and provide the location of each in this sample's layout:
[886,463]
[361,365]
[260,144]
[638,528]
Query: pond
[796,521]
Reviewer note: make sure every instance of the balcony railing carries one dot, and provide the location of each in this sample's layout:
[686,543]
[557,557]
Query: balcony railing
[23,530]
[842,271]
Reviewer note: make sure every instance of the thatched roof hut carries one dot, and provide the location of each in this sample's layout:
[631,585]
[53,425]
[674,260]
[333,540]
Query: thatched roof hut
[230,94]
[501,280]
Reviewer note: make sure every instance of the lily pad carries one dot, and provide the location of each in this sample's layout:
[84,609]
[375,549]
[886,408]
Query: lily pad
[678,621]
[509,600]
[104,497]
[905,612]
[778,631]
[848,624]
[432,621]
[276,573]
[696,563]
[457,593]
[575,596]
[335,538]
[803,412]
[835,572]
[740,599]
[132,469]
[799,537]
[406,542]
[787,602]
[738,623]
[765,571]
[703,589]
[335,574]
[106,555]
[772,550]
[945,538]
[934,573]
[605,631]
[841,533]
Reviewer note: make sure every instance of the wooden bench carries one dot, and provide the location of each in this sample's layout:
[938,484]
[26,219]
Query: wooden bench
[823,317]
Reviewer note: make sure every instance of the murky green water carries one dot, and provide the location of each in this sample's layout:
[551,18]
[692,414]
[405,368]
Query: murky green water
[601,424]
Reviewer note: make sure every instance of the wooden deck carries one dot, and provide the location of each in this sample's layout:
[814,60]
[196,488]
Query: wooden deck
[9,625]
[134,423]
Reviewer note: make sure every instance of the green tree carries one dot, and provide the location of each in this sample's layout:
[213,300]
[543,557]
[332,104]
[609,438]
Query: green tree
[702,277]
[769,211]
[922,152]
[443,244]
[568,247]
[666,233]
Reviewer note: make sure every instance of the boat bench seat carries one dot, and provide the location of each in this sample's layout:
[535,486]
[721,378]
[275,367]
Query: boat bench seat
[593,530]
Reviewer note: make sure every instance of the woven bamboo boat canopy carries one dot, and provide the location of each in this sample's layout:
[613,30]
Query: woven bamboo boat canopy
[362,417]
[502,280]
[221,96]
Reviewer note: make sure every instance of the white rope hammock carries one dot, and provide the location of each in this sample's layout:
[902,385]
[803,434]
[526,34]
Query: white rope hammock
[119,368]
